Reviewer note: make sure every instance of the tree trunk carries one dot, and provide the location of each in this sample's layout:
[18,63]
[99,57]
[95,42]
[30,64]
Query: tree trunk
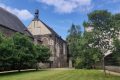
[103,61]
[36,66]
[19,67]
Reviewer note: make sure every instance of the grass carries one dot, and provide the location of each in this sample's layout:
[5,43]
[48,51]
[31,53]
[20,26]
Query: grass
[58,75]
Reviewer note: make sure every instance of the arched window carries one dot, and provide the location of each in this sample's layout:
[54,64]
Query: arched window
[45,41]
[57,50]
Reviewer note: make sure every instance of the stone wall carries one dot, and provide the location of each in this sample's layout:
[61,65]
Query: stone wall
[113,68]
[6,31]
[38,28]
[58,50]
[61,52]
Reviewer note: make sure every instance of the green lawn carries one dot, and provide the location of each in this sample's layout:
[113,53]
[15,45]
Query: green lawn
[58,75]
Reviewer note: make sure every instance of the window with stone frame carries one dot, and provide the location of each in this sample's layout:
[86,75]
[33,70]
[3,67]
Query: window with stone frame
[57,50]
[45,41]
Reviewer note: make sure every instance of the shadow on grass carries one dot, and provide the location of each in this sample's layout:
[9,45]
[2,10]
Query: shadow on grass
[21,72]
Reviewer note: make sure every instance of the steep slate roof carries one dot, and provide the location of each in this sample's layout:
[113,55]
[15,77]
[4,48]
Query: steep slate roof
[50,28]
[12,22]
[53,32]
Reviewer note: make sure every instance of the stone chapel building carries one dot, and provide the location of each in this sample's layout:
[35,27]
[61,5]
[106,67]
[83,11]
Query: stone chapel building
[51,39]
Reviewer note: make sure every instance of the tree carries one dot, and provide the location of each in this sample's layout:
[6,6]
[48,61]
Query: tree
[116,41]
[24,51]
[1,38]
[116,53]
[6,51]
[88,56]
[43,54]
[72,40]
[106,29]
[103,29]
[83,55]
[20,51]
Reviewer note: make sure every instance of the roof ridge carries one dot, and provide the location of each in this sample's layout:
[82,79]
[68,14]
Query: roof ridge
[52,30]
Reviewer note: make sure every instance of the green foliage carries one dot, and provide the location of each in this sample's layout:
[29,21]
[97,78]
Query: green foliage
[83,55]
[100,19]
[88,55]
[1,37]
[24,54]
[86,24]
[116,53]
[6,51]
[19,51]
[106,29]
[102,23]
[88,49]
[72,39]
[43,53]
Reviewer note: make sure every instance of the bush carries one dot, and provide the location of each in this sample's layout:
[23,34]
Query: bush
[19,52]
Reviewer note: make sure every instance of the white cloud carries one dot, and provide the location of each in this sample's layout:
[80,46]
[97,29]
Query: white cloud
[23,14]
[68,6]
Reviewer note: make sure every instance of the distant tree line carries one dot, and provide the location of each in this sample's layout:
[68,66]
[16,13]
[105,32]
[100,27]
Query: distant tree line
[86,49]
[19,52]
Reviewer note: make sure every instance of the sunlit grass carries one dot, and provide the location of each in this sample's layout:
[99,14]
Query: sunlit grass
[59,75]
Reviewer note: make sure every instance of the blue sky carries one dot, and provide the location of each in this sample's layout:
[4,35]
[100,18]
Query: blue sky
[58,14]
